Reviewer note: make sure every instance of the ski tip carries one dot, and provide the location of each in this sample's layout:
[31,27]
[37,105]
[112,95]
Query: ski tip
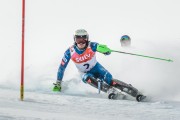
[140,98]
[112,96]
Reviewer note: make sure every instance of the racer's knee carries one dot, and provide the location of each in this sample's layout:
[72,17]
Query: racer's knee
[86,77]
[108,78]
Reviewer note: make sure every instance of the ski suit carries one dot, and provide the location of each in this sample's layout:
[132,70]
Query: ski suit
[85,61]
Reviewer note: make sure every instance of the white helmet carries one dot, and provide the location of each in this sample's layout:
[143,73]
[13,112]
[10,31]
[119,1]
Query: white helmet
[81,33]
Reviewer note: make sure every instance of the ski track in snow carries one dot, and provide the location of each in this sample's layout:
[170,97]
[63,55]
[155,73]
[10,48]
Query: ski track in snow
[56,106]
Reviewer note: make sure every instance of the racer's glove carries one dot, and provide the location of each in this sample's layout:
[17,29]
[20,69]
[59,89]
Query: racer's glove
[103,49]
[57,86]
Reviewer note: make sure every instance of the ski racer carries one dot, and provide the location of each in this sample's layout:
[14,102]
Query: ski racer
[83,54]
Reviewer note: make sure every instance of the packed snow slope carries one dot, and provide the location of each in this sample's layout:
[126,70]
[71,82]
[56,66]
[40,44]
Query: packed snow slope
[52,106]
[49,32]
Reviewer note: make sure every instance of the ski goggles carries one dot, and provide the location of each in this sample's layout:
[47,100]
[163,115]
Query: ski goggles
[81,39]
[81,36]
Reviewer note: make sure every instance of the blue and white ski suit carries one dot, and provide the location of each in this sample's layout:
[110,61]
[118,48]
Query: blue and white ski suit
[85,61]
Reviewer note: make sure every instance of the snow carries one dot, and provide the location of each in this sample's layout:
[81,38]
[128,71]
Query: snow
[49,29]
[38,105]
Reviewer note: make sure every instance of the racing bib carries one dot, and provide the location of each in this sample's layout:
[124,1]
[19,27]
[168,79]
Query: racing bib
[85,61]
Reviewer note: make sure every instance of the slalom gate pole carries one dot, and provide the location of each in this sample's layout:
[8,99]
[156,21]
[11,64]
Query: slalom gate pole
[168,60]
[22,54]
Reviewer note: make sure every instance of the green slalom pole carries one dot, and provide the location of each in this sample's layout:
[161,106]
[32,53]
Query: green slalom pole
[168,60]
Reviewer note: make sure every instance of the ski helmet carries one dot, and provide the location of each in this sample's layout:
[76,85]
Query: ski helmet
[81,33]
[125,40]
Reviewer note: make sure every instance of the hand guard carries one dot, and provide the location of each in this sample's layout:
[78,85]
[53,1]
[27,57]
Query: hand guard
[103,49]
[57,86]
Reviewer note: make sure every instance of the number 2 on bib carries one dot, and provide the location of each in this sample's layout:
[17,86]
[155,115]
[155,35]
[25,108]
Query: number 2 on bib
[86,65]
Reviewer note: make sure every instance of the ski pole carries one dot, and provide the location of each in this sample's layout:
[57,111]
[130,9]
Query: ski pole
[99,85]
[168,60]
